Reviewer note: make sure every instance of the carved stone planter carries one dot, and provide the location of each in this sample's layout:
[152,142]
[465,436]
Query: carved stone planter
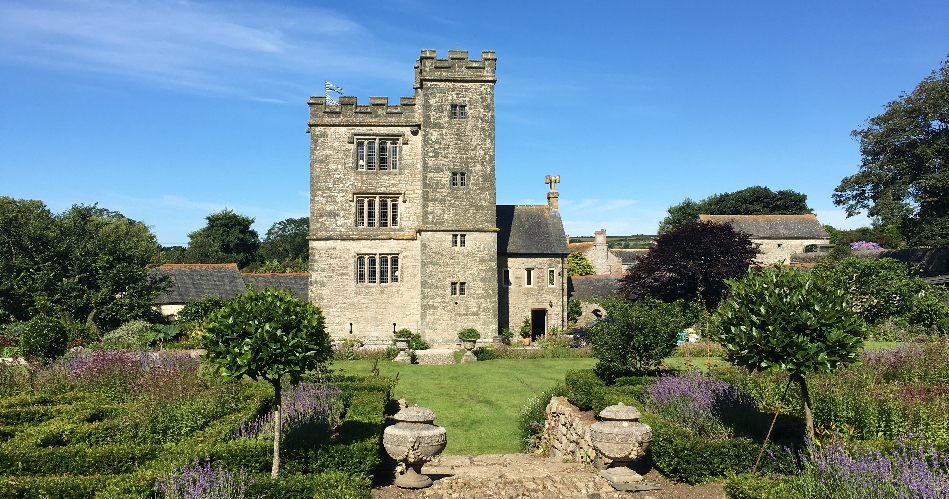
[620,437]
[414,441]
[468,345]
[402,344]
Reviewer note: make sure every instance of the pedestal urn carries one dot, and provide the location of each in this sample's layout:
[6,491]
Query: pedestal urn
[402,344]
[414,441]
[620,437]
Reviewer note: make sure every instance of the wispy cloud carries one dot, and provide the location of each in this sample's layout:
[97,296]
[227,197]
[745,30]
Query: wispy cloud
[257,51]
[617,216]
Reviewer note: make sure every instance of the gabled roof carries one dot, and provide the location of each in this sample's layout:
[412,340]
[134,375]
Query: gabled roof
[629,256]
[295,282]
[773,226]
[594,287]
[581,247]
[530,230]
[193,281]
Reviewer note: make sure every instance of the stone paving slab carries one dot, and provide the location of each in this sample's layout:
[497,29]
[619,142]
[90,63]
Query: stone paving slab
[435,356]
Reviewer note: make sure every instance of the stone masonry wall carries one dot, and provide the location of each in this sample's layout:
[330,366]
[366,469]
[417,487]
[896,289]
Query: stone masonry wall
[517,300]
[776,250]
[566,433]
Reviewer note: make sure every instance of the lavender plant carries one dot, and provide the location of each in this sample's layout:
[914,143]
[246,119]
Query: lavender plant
[697,402]
[302,405]
[204,481]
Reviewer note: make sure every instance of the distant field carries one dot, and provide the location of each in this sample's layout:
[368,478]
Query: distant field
[638,241]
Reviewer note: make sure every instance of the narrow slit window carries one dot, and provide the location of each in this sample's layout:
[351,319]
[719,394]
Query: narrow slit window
[394,155]
[361,155]
[454,289]
[383,270]
[371,263]
[551,277]
[461,289]
[528,277]
[394,213]
[370,213]
[454,240]
[462,179]
[461,240]
[454,179]
[506,277]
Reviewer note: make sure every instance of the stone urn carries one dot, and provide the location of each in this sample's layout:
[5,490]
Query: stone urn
[414,441]
[403,345]
[468,345]
[620,437]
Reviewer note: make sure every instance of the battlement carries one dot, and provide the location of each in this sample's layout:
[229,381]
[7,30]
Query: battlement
[349,112]
[458,67]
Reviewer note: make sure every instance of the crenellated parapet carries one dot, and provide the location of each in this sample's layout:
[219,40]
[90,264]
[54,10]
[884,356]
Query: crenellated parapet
[351,113]
[458,67]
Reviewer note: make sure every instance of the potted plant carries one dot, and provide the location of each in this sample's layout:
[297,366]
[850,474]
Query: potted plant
[402,338]
[468,337]
[506,335]
[526,331]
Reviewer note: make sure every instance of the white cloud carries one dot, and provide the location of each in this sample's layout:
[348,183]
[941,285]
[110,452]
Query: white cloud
[247,50]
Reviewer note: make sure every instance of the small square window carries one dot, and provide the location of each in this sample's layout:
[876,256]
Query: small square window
[459,179]
[454,240]
[454,289]
[459,111]
[461,288]
[458,288]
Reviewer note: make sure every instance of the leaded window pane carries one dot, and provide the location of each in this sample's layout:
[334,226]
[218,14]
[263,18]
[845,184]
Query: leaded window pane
[394,155]
[383,155]
[461,288]
[361,155]
[370,213]
[394,262]
[394,212]
[383,213]
[361,269]
[360,213]
[383,270]
[371,264]
[551,277]
[371,155]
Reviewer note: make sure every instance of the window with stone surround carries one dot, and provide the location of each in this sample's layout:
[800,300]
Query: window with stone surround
[528,277]
[459,179]
[458,240]
[458,288]
[377,269]
[551,277]
[459,111]
[377,153]
[377,211]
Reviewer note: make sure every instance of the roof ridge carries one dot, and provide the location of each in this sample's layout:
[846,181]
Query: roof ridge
[185,265]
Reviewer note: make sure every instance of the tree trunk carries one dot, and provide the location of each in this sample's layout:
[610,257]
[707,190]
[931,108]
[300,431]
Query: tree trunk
[806,400]
[277,424]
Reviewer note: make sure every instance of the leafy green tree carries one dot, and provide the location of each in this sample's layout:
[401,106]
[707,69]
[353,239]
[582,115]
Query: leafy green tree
[227,238]
[882,289]
[268,335]
[755,200]
[904,172]
[578,264]
[785,319]
[286,241]
[633,338]
[692,260]
[574,310]
[88,263]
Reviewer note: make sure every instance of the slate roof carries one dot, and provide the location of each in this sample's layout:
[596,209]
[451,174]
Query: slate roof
[530,230]
[295,282]
[930,261]
[773,226]
[629,256]
[194,281]
[594,287]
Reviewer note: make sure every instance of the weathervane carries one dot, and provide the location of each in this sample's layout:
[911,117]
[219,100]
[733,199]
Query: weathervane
[333,88]
[553,180]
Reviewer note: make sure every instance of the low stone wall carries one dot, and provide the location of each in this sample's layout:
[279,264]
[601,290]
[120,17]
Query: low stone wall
[567,434]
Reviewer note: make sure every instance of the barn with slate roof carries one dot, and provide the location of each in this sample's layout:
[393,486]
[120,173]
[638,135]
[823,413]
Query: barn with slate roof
[779,236]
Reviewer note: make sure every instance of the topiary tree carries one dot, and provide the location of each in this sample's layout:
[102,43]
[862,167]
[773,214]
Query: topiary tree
[634,337]
[578,264]
[785,319]
[44,337]
[267,335]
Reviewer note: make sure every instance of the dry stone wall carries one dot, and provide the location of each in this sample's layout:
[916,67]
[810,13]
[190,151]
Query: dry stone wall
[567,434]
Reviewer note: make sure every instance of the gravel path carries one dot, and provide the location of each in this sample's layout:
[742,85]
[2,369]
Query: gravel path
[515,476]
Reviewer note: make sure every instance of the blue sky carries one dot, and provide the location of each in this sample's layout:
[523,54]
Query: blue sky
[167,111]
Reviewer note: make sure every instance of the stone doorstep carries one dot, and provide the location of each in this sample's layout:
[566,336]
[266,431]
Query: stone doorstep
[435,356]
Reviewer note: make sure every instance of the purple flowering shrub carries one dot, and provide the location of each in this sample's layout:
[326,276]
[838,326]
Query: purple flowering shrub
[302,405]
[699,403]
[914,468]
[864,245]
[203,481]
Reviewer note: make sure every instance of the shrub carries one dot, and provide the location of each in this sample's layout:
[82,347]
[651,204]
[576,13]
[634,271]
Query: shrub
[574,310]
[531,421]
[635,338]
[417,343]
[326,485]
[756,486]
[303,406]
[133,335]
[504,352]
[525,329]
[506,334]
[469,334]
[196,311]
[404,333]
[587,391]
[699,403]
[44,337]
[205,481]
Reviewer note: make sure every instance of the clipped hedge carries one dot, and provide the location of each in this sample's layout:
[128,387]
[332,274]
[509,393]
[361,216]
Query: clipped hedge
[588,392]
[748,486]
[74,459]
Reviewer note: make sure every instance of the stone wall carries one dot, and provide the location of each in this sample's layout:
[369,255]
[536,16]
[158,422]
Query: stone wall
[518,299]
[780,250]
[567,434]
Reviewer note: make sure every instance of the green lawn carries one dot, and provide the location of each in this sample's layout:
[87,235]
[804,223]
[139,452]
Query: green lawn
[478,403]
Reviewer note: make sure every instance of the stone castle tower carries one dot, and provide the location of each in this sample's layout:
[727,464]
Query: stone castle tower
[403,230]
